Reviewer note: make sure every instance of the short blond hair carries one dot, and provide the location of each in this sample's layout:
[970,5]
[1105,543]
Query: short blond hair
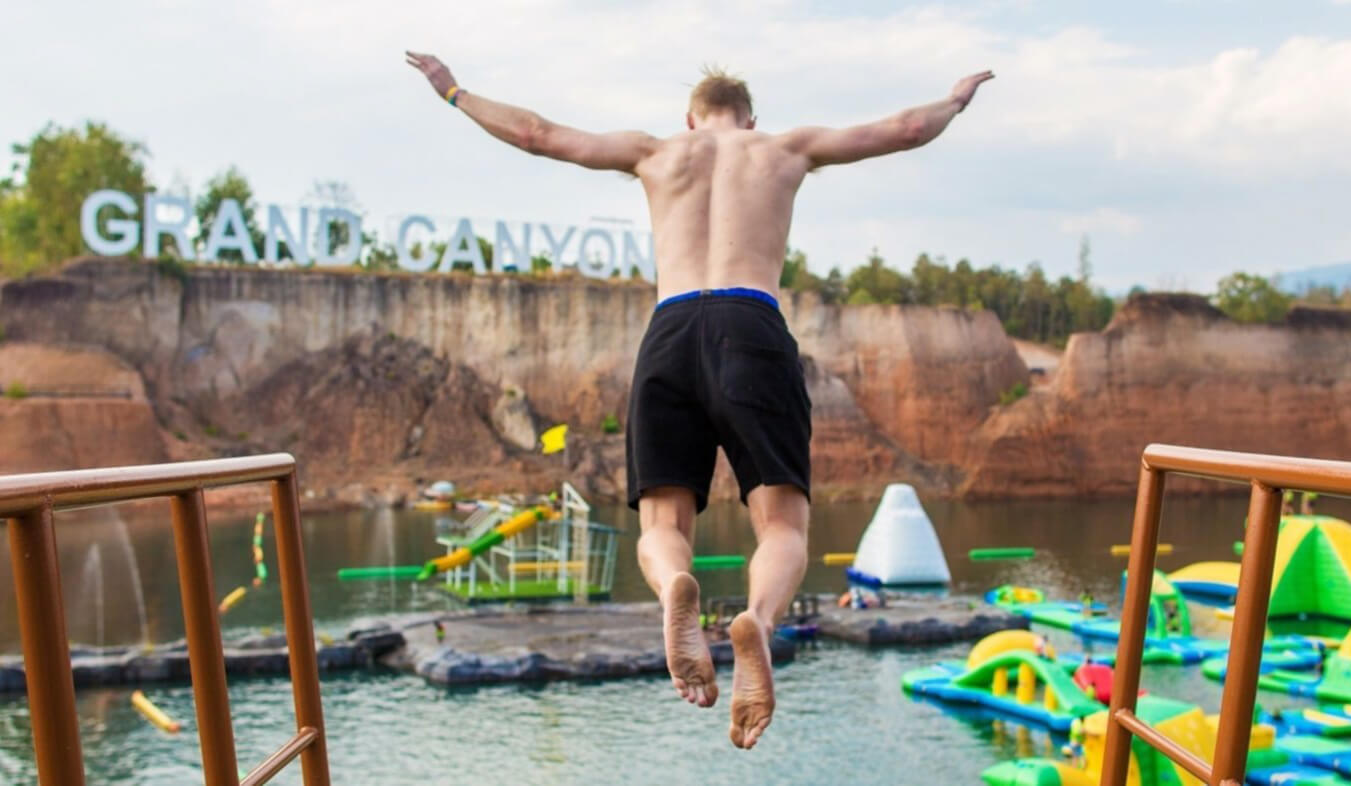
[720,90]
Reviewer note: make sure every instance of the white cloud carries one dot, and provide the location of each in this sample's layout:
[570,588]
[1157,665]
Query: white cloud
[1103,220]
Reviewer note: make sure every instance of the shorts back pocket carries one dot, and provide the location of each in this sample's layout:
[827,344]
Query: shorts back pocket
[756,376]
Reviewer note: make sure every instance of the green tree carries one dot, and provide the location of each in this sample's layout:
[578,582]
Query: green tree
[230,184]
[881,283]
[485,248]
[1251,298]
[794,267]
[335,194]
[40,212]
[377,256]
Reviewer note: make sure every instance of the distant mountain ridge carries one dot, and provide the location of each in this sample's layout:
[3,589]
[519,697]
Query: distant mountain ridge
[1297,281]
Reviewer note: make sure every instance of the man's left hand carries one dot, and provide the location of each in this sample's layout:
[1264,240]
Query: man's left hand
[436,72]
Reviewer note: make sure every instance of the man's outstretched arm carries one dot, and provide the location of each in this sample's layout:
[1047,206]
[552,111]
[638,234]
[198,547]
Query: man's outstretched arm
[902,131]
[620,150]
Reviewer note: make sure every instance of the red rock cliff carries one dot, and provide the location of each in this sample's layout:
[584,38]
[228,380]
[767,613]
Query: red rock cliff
[370,379]
[1171,369]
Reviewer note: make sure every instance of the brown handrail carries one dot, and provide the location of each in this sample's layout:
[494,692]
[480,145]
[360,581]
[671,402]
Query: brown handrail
[28,502]
[73,488]
[269,767]
[1268,476]
[1189,761]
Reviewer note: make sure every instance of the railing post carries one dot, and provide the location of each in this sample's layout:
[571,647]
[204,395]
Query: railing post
[206,657]
[46,652]
[295,599]
[1245,642]
[1130,646]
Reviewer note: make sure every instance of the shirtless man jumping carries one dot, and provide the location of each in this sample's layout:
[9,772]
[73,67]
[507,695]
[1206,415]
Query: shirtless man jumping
[717,366]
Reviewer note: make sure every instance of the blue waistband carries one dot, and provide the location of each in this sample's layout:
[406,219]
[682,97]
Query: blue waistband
[756,294]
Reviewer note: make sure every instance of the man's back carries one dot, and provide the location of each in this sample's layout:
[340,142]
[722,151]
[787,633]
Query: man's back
[721,203]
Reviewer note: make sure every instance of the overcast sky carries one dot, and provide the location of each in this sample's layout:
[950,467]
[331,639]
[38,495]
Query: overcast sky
[1187,139]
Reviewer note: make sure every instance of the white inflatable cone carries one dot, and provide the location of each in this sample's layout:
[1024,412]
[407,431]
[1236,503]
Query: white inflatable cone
[900,545]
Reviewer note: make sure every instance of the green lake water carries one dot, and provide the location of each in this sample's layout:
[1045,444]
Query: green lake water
[841,717]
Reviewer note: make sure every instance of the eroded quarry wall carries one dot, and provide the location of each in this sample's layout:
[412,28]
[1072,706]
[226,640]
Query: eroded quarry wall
[377,382]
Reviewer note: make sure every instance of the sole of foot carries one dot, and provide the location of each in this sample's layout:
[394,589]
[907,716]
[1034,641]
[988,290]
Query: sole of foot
[752,681]
[687,656]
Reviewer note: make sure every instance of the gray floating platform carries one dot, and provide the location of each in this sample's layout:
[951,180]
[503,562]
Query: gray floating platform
[550,643]
[916,621]
[250,656]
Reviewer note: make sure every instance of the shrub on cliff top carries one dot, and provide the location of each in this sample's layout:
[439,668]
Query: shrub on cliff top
[40,213]
[16,390]
[1249,298]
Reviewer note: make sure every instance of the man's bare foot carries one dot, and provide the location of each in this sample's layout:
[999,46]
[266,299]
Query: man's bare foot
[752,680]
[687,655]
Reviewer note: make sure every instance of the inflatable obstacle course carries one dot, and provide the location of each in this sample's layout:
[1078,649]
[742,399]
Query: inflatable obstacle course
[899,547]
[544,553]
[463,554]
[1214,582]
[1032,603]
[1311,578]
[1168,636]
[1181,722]
[540,553]
[1003,673]
[1328,681]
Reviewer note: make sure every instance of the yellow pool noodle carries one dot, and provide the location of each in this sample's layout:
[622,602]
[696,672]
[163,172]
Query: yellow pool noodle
[454,559]
[153,714]
[1124,549]
[521,522]
[229,601]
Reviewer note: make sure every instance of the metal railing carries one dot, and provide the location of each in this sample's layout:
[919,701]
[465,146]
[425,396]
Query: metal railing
[28,502]
[1268,477]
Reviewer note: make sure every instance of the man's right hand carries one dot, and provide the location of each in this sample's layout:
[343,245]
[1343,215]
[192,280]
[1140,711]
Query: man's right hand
[436,72]
[964,90]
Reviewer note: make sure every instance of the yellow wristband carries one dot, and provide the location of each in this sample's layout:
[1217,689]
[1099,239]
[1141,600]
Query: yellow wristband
[452,93]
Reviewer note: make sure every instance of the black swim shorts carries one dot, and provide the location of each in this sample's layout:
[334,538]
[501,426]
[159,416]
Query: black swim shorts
[718,368]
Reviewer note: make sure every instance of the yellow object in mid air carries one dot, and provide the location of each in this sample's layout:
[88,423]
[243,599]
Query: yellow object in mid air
[554,440]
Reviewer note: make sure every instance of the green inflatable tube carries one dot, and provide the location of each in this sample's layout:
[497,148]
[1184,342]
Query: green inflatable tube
[382,572]
[485,542]
[1010,552]
[719,561]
